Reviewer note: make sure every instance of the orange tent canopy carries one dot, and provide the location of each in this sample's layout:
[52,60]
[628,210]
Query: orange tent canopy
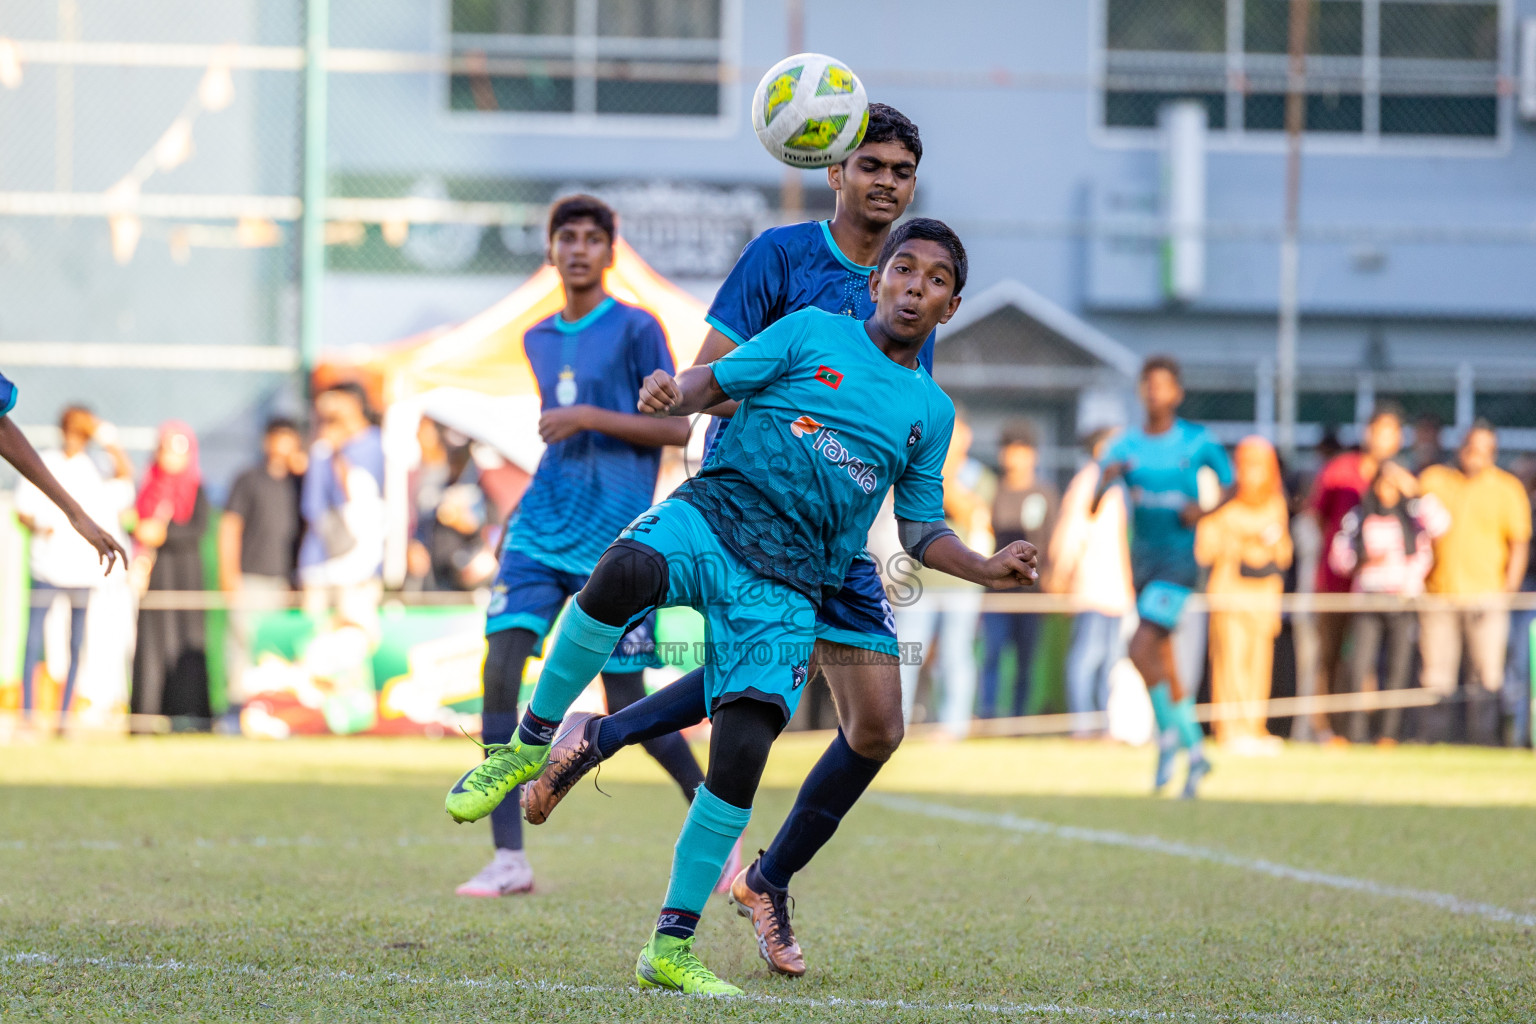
[485,352]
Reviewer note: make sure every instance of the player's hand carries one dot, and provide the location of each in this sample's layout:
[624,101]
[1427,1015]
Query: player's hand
[108,550]
[1017,565]
[559,424]
[659,394]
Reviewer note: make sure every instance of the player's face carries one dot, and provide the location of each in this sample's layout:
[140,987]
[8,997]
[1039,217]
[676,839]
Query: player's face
[281,446]
[1161,392]
[876,184]
[580,250]
[915,292]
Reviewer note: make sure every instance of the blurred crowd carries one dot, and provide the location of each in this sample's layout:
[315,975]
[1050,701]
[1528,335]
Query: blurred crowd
[1378,520]
[305,524]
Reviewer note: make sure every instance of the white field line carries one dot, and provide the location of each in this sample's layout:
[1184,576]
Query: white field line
[1155,844]
[382,978]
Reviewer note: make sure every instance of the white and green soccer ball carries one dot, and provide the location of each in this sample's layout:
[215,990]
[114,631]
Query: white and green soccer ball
[810,110]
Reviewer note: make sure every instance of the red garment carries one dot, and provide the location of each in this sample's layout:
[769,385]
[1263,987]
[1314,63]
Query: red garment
[175,493]
[1338,489]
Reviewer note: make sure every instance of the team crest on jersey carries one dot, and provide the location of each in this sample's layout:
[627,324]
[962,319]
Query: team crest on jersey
[830,377]
[915,434]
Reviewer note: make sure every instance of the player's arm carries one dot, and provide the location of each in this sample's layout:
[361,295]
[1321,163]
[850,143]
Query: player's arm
[692,391]
[231,535]
[645,431]
[938,547]
[18,451]
[717,344]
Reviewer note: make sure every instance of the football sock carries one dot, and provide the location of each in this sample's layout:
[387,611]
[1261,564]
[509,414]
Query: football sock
[506,654]
[671,751]
[507,818]
[1190,733]
[673,754]
[675,706]
[1164,714]
[582,647]
[708,834]
[831,789]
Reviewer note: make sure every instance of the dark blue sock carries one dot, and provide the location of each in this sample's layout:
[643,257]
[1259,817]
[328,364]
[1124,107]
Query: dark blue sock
[830,791]
[507,818]
[679,924]
[675,706]
[535,731]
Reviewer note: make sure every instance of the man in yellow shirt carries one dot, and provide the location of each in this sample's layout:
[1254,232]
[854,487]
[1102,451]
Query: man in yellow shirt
[1483,552]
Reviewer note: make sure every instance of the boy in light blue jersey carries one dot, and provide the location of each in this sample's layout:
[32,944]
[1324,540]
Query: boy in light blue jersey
[1163,465]
[597,473]
[18,451]
[815,265]
[833,414]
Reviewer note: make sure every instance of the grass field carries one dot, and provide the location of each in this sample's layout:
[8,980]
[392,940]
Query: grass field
[1003,880]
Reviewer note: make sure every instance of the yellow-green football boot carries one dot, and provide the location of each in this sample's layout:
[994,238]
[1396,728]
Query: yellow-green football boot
[669,963]
[483,787]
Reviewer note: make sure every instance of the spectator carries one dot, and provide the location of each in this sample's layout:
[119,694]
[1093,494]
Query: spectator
[1025,508]
[1090,560]
[965,509]
[1483,552]
[1518,669]
[449,549]
[1247,547]
[63,561]
[1385,547]
[341,558]
[1426,449]
[258,543]
[170,663]
[1337,491]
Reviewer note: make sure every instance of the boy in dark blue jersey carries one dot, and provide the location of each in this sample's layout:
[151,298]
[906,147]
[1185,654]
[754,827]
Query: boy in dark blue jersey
[18,451]
[815,265]
[597,474]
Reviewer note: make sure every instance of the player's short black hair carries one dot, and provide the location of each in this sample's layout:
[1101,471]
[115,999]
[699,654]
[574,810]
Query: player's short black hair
[887,124]
[1481,425]
[355,390]
[581,207]
[1019,432]
[1166,363]
[927,229]
[1385,408]
[279,424]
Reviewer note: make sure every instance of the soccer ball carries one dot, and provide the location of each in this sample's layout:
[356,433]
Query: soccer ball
[810,110]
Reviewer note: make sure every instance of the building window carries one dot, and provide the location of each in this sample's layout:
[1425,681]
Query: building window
[1376,69]
[593,62]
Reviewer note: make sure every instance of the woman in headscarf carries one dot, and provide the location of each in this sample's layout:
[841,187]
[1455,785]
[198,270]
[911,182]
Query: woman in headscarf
[170,664]
[1247,546]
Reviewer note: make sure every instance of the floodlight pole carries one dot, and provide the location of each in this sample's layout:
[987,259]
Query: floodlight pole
[312,228]
[1290,253]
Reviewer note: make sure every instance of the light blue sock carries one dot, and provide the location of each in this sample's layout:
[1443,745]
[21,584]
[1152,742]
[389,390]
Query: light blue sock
[1164,714]
[581,649]
[1190,733]
[712,828]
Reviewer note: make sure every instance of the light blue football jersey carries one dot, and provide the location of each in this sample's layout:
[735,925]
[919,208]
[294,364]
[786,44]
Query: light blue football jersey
[1162,476]
[828,423]
[8,395]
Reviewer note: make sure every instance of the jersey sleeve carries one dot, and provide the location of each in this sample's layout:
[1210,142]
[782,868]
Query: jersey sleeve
[240,497]
[648,349]
[1212,454]
[1119,450]
[920,490]
[752,296]
[8,395]
[759,362]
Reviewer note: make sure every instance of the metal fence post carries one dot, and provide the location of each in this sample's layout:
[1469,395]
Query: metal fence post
[312,258]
